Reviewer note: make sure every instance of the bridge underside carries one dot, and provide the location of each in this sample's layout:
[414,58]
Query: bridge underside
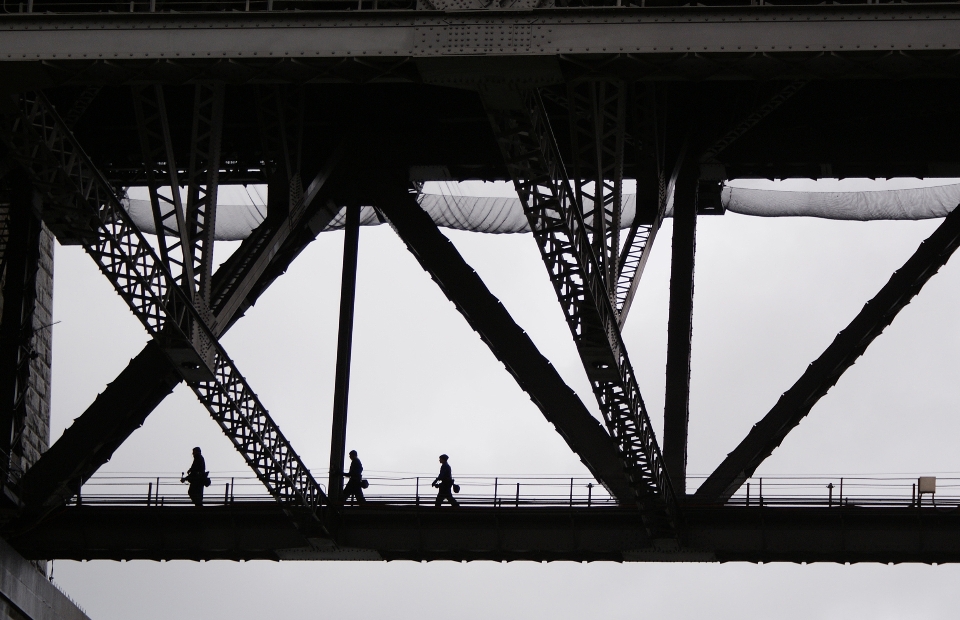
[337,110]
[832,128]
[717,534]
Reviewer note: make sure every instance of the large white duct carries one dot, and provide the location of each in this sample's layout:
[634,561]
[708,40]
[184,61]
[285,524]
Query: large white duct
[505,215]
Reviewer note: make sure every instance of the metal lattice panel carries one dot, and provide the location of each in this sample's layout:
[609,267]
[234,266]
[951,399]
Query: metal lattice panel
[531,155]
[78,197]
[597,129]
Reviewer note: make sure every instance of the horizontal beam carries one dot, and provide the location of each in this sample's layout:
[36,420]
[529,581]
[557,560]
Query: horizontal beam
[511,345]
[262,531]
[422,34]
[767,434]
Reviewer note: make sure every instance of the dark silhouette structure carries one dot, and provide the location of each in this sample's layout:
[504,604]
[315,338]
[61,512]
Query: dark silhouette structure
[336,106]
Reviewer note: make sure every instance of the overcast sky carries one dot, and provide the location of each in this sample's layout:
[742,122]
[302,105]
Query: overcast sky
[770,295]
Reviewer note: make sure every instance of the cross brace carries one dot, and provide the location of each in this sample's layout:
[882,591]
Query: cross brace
[79,198]
[824,373]
[529,149]
[127,401]
[507,341]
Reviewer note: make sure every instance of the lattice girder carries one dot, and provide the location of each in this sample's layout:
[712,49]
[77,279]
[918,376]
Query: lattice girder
[82,205]
[532,158]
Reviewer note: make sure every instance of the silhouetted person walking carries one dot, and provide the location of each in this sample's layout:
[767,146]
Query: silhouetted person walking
[354,480]
[444,482]
[197,477]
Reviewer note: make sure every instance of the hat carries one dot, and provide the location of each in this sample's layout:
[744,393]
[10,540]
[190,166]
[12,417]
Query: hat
[444,457]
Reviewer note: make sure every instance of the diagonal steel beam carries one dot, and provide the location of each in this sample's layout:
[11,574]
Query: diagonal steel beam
[273,244]
[94,436]
[203,178]
[78,195]
[653,188]
[530,152]
[507,341]
[161,171]
[824,373]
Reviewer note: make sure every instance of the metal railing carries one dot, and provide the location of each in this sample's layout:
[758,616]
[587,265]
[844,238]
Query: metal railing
[841,491]
[501,491]
[530,491]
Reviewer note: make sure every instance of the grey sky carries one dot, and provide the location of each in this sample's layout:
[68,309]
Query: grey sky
[770,296]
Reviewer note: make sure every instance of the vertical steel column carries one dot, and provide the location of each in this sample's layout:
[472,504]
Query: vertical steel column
[676,413]
[348,292]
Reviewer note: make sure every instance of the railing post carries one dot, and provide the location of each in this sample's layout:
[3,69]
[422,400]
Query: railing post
[841,492]
[913,495]
[495,482]
[748,495]
[226,493]
[153,6]
[29,6]
[761,492]
[418,491]
[517,502]
[149,492]
[830,496]
[571,492]
[589,493]
[233,487]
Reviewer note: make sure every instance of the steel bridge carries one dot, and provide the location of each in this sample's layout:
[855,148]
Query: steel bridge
[338,104]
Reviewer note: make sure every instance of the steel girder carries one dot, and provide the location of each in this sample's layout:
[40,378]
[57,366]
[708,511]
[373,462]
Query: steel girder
[202,180]
[161,171]
[531,155]
[795,34]
[652,191]
[535,375]
[723,534]
[190,257]
[267,252]
[598,116]
[676,404]
[341,386]
[824,373]
[93,437]
[127,401]
[82,205]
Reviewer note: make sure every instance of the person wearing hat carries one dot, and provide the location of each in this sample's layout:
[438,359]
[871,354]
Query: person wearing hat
[444,482]
[354,480]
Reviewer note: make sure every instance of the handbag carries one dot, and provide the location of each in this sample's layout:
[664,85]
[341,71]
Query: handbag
[364,484]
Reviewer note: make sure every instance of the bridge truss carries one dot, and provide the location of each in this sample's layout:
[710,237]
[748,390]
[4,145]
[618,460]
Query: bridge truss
[566,102]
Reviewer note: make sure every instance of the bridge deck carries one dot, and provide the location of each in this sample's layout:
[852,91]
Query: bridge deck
[245,531]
